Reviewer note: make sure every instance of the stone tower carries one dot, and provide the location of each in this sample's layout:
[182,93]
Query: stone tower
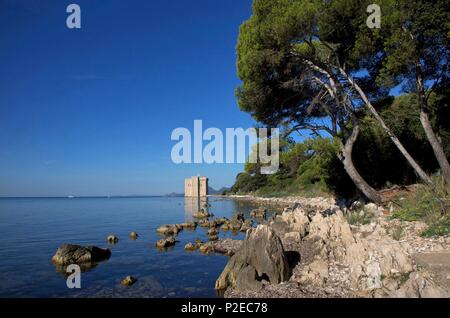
[196,187]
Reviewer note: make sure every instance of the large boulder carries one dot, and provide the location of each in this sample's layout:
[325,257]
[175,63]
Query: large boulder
[261,259]
[75,254]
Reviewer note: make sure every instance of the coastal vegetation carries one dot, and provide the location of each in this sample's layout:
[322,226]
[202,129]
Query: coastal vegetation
[361,109]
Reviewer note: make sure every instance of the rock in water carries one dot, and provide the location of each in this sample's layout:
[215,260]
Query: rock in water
[133,235]
[261,258]
[75,254]
[112,239]
[201,214]
[128,281]
[190,246]
[169,229]
[166,242]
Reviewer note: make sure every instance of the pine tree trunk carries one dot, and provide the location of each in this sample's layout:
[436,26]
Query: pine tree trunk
[421,173]
[346,158]
[431,136]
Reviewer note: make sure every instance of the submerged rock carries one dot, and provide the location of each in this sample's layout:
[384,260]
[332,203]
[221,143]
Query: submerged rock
[128,281]
[133,235]
[75,254]
[261,258]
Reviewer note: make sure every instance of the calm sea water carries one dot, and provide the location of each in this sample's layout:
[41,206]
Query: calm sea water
[32,229]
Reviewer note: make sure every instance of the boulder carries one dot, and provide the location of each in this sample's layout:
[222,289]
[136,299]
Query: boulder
[133,235]
[260,258]
[75,254]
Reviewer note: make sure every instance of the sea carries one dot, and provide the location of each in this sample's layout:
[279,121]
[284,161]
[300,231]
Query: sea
[32,229]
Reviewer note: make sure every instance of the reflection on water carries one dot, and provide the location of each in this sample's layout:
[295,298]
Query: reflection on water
[33,229]
[193,205]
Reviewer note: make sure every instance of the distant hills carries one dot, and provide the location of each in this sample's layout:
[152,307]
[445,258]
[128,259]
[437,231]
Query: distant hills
[210,191]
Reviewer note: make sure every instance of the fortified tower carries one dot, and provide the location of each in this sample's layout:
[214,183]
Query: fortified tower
[196,187]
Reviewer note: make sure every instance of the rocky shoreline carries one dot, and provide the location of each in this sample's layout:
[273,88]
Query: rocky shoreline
[310,247]
[338,259]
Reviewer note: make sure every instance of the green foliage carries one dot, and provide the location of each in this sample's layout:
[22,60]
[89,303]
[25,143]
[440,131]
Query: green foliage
[431,205]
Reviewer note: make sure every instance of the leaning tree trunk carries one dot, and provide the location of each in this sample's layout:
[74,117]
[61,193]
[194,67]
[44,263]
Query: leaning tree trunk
[389,132]
[431,136]
[346,158]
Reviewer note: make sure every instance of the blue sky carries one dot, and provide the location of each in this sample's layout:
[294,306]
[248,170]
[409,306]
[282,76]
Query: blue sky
[91,111]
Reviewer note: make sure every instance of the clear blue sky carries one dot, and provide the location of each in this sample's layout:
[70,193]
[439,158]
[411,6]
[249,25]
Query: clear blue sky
[90,111]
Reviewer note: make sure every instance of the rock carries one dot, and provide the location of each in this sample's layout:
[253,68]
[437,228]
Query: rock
[128,281]
[191,246]
[212,231]
[296,221]
[235,225]
[294,236]
[112,239]
[166,242]
[206,248]
[239,216]
[223,220]
[373,209]
[169,229]
[259,213]
[315,273]
[227,246]
[133,235]
[357,205]
[202,214]
[261,253]
[330,240]
[420,284]
[213,237]
[247,225]
[75,254]
[189,225]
